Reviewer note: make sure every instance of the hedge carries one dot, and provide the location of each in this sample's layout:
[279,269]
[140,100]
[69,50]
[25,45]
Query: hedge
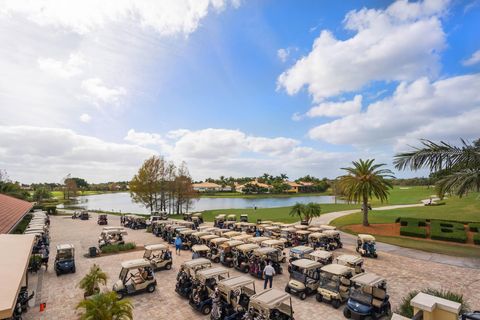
[413,232]
[114,248]
[448,234]
[413,222]
[439,224]
[476,238]
[474,227]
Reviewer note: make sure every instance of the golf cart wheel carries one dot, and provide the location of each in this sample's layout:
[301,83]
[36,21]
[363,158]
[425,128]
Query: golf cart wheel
[246,269]
[58,273]
[168,266]
[150,288]
[230,264]
[336,303]
[120,295]
[287,289]
[73,269]
[375,255]
[206,309]
[347,313]
[319,297]
[303,295]
[216,260]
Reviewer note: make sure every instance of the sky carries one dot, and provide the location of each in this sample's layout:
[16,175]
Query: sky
[231,87]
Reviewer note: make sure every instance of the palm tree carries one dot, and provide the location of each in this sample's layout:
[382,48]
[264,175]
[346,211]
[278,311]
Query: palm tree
[312,210]
[298,210]
[106,306]
[365,180]
[92,280]
[457,166]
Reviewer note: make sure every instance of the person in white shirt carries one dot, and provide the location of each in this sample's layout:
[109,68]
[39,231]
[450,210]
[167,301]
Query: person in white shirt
[268,273]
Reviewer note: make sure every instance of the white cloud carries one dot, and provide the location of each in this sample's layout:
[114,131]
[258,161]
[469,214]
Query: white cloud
[165,17]
[85,118]
[98,93]
[474,59]
[297,116]
[388,45]
[336,109]
[284,54]
[67,69]
[444,109]
[58,152]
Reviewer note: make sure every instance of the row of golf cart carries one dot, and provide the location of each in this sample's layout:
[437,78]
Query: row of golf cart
[39,226]
[211,290]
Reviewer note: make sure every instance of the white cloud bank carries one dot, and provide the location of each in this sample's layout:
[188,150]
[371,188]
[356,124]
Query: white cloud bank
[336,109]
[474,59]
[388,45]
[445,109]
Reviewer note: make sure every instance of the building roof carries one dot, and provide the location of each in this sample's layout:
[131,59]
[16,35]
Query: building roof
[12,210]
[255,182]
[293,184]
[15,250]
[206,185]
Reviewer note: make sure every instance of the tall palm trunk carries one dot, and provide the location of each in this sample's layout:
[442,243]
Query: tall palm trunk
[365,211]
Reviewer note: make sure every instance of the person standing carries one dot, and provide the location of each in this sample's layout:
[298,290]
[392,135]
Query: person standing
[268,273]
[178,245]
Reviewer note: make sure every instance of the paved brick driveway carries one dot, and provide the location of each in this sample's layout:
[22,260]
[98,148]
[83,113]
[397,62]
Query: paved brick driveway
[61,294]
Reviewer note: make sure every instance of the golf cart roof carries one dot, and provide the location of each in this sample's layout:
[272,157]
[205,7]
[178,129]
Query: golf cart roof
[300,227]
[321,254]
[269,299]
[232,215]
[315,229]
[257,239]
[301,249]
[197,214]
[158,246]
[200,234]
[200,247]
[232,243]
[306,264]
[113,228]
[211,272]
[337,269]
[196,262]
[234,282]
[303,232]
[208,237]
[289,229]
[247,247]
[218,240]
[187,232]
[264,251]
[65,247]
[366,237]
[273,242]
[34,231]
[349,259]
[211,229]
[273,228]
[331,233]
[113,231]
[35,228]
[368,279]
[328,227]
[244,215]
[242,237]
[231,234]
[137,263]
[317,235]
[220,216]
[267,222]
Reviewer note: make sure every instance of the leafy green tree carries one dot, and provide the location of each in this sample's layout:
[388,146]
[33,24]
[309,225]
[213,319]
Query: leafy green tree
[106,306]
[457,168]
[41,194]
[92,281]
[312,210]
[298,209]
[364,181]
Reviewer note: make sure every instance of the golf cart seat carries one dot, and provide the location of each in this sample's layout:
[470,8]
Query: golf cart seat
[379,296]
[138,279]
[344,285]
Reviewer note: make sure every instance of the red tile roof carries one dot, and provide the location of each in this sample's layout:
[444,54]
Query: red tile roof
[12,211]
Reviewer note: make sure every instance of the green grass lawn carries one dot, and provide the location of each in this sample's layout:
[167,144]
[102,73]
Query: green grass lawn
[456,209]
[406,195]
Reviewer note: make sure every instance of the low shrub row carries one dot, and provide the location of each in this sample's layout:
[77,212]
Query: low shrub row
[448,231]
[413,232]
[412,222]
[114,248]
[476,238]
[474,227]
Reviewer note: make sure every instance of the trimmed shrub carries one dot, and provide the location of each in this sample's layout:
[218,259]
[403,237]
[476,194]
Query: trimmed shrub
[448,231]
[114,248]
[474,227]
[413,232]
[406,310]
[412,222]
[476,238]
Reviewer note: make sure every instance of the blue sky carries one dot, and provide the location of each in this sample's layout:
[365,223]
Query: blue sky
[231,87]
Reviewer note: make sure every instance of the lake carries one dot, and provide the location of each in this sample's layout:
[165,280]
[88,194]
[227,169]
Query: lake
[121,202]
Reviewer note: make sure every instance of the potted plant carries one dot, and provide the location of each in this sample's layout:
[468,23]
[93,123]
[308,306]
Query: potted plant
[106,306]
[92,280]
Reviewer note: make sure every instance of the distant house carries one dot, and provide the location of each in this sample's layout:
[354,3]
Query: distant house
[294,187]
[210,187]
[240,187]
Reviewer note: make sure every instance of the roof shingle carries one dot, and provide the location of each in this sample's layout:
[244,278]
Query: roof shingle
[12,210]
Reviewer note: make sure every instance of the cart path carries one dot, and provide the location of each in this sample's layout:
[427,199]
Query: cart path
[349,239]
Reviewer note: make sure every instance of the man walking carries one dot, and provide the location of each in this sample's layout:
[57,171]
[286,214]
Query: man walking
[268,273]
[178,245]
